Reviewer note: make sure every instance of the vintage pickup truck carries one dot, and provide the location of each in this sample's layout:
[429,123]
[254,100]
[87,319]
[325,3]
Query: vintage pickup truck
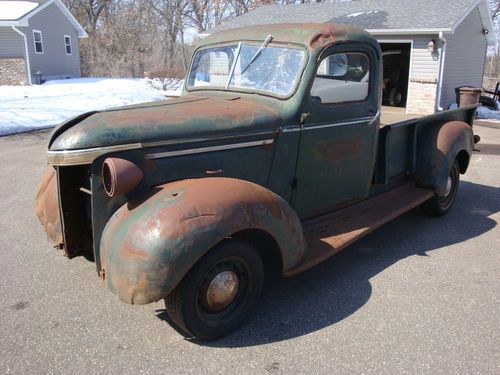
[272,159]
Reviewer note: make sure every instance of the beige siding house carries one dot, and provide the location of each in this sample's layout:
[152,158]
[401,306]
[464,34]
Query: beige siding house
[429,47]
[39,41]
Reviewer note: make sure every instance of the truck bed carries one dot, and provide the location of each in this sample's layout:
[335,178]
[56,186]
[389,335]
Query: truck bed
[392,115]
[397,142]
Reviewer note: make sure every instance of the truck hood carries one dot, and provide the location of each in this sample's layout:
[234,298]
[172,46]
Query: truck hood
[184,118]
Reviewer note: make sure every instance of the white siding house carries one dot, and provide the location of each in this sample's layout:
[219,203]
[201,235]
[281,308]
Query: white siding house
[39,40]
[431,46]
[465,56]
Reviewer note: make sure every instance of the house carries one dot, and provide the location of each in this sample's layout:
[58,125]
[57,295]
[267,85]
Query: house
[38,42]
[429,47]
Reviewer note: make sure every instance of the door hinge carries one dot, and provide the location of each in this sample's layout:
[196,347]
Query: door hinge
[303,117]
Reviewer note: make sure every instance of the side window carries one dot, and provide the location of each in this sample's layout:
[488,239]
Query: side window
[37,39]
[342,77]
[67,45]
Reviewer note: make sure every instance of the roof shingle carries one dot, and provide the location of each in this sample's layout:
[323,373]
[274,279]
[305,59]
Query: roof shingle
[368,14]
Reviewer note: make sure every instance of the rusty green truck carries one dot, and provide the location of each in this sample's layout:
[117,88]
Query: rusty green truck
[272,159]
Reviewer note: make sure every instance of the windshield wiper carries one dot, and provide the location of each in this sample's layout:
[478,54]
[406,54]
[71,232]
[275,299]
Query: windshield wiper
[231,72]
[261,48]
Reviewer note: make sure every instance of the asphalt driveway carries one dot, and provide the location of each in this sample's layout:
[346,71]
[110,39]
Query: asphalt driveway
[419,295]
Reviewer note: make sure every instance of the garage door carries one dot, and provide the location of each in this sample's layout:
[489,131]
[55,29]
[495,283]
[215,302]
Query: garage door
[396,60]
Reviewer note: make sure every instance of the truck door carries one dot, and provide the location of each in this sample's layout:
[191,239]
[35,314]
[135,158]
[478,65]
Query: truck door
[339,135]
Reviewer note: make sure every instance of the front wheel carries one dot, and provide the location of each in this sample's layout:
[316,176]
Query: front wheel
[440,205]
[219,293]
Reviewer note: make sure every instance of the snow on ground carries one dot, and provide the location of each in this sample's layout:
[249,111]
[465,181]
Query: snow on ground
[24,108]
[486,113]
[12,10]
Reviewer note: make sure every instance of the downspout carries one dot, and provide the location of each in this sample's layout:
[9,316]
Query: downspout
[27,54]
[441,70]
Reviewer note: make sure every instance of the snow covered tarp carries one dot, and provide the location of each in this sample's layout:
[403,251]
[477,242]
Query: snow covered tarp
[24,108]
[487,113]
[483,113]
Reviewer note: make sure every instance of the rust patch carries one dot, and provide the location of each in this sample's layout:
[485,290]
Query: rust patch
[322,40]
[148,248]
[339,149]
[449,133]
[47,206]
[312,34]
[227,202]
[130,252]
[330,33]
[207,118]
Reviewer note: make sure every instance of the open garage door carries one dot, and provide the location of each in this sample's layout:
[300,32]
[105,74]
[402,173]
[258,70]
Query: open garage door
[396,60]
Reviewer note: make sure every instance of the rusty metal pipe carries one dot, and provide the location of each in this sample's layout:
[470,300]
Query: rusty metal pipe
[120,176]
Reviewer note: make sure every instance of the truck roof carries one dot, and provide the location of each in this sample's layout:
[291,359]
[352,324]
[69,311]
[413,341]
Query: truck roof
[313,35]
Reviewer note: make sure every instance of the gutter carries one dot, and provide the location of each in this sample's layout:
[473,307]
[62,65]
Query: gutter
[421,31]
[26,52]
[441,70]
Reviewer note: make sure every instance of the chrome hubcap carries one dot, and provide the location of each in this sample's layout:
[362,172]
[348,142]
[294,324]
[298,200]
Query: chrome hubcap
[448,186]
[222,290]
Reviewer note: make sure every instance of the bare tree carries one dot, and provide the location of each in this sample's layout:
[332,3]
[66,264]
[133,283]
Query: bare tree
[88,12]
[127,37]
[172,14]
[495,9]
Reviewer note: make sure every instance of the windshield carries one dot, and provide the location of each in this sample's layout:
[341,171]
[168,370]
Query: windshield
[276,70]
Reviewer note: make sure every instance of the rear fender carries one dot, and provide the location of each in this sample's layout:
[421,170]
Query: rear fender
[149,245]
[438,145]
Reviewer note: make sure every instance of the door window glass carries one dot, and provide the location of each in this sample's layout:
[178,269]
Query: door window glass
[342,77]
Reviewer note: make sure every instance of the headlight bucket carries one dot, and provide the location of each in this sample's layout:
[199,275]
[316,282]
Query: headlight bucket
[120,176]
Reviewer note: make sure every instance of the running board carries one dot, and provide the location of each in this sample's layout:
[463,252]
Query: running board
[327,235]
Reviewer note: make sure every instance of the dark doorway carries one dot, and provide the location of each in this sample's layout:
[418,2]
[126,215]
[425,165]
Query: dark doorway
[396,60]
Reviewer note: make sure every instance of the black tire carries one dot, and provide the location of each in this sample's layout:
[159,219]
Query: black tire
[190,306]
[396,97]
[488,102]
[440,205]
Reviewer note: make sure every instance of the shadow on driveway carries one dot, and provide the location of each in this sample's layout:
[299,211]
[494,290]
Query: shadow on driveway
[341,285]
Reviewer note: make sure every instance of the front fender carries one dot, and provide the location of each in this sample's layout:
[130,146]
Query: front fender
[47,206]
[149,245]
[438,145]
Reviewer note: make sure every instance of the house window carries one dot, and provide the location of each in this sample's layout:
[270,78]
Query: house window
[37,39]
[67,44]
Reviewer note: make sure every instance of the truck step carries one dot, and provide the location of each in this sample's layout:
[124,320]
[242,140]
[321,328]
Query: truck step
[328,234]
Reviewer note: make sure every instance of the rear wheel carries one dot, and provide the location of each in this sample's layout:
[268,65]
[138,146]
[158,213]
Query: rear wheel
[219,293]
[440,205]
